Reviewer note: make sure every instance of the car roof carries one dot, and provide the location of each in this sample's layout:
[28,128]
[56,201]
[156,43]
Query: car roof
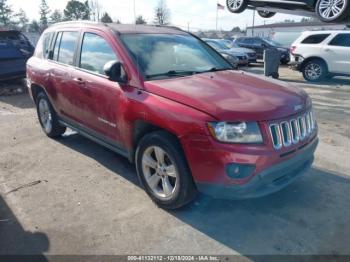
[120,28]
[325,32]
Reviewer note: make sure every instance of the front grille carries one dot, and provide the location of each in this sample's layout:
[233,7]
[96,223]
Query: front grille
[292,131]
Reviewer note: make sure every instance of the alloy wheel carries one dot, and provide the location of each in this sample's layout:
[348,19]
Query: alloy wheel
[331,9]
[45,115]
[313,71]
[234,4]
[160,172]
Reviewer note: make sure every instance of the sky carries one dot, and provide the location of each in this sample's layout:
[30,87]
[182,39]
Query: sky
[198,14]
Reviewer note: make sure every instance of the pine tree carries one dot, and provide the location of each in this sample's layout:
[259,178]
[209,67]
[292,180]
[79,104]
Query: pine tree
[44,11]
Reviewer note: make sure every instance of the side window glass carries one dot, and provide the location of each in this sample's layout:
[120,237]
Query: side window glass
[315,39]
[341,40]
[57,46]
[95,53]
[46,44]
[67,47]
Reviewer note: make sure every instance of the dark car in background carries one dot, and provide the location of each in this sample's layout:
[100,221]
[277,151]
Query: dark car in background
[15,50]
[226,51]
[326,10]
[260,45]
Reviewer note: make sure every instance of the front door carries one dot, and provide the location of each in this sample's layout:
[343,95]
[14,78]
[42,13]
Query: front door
[99,97]
[337,54]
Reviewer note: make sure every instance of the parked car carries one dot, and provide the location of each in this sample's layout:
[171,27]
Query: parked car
[222,48]
[261,44]
[15,50]
[322,54]
[326,10]
[170,104]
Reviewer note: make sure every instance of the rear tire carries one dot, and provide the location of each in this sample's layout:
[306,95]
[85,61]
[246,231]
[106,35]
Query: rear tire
[323,5]
[163,171]
[236,6]
[266,14]
[315,70]
[47,117]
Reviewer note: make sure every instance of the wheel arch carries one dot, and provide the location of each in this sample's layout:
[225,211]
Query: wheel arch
[313,58]
[142,128]
[35,90]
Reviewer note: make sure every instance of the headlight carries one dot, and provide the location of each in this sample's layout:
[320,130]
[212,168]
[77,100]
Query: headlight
[230,58]
[239,132]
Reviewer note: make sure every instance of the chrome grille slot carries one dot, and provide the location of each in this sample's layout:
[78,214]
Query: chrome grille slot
[308,123]
[302,126]
[276,136]
[294,126]
[292,131]
[286,134]
[312,118]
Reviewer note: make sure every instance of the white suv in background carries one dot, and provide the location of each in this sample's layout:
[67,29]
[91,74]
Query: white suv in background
[322,54]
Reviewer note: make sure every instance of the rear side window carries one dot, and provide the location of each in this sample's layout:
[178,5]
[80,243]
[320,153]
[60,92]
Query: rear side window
[341,40]
[95,53]
[315,39]
[57,46]
[47,38]
[65,47]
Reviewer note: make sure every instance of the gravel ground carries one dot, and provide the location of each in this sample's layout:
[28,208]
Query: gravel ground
[72,196]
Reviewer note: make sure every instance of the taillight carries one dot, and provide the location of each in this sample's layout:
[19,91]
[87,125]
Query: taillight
[292,50]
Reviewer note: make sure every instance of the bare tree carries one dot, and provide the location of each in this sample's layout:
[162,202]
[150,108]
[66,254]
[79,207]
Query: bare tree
[5,13]
[95,8]
[162,13]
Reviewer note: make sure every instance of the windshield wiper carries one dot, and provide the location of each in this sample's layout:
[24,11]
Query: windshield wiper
[215,69]
[173,73]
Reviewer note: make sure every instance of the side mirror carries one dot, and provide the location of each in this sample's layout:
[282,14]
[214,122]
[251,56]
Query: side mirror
[115,72]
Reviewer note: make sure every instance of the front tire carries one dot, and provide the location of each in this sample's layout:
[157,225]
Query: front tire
[236,6]
[163,171]
[266,14]
[47,117]
[332,11]
[315,70]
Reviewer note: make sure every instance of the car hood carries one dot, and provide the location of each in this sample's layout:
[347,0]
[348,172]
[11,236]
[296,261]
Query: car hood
[234,53]
[233,95]
[242,50]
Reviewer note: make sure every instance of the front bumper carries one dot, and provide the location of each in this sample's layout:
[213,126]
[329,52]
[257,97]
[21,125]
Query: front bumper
[269,180]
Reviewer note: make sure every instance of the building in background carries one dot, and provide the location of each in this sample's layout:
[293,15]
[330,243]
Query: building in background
[286,33]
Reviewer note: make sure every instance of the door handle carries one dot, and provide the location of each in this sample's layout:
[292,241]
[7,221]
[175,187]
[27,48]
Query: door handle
[327,50]
[79,81]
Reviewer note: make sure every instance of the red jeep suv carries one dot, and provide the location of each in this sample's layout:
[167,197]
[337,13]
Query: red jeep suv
[171,104]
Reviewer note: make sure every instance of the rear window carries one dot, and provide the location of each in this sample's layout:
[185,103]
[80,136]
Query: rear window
[341,40]
[43,47]
[315,39]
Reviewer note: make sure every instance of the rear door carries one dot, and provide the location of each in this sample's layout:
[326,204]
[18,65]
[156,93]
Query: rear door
[62,89]
[337,53]
[98,96]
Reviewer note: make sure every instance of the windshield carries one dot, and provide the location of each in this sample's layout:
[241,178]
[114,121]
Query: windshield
[273,43]
[169,55]
[218,45]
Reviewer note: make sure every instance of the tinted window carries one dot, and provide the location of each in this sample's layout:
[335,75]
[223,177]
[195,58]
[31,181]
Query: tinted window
[341,40]
[67,47]
[95,53]
[57,46]
[315,39]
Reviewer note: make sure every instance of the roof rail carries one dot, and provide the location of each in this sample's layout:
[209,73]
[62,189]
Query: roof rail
[77,22]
